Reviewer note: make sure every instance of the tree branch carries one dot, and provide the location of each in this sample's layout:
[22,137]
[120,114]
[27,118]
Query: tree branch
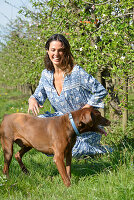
[108,21]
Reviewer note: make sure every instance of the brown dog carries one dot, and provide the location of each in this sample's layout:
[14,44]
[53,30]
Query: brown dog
[53,135]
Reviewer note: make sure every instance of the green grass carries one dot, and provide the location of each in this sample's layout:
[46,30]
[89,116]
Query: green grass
[107,177]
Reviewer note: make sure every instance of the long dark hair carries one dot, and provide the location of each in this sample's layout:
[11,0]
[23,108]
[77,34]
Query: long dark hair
[68,57]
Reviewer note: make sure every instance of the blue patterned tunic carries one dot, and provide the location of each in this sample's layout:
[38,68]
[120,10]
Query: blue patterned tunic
[79,88]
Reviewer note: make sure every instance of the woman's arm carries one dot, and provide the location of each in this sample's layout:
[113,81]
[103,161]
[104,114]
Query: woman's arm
[38,98]
[96,90]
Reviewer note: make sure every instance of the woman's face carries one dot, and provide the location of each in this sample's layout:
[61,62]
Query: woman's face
[56,53]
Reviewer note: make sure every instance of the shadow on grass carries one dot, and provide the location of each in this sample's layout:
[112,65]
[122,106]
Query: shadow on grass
[41,165]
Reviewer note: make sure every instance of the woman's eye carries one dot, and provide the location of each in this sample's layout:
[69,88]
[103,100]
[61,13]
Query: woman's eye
[61,50]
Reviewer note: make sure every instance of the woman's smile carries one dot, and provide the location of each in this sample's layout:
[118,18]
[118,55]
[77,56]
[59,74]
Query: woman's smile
[56,53]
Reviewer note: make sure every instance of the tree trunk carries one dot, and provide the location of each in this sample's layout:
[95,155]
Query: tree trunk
[99,78]
[125,110]
[114,100]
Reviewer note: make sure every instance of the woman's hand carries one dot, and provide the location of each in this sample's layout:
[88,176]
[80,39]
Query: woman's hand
[87,106]
[33,106]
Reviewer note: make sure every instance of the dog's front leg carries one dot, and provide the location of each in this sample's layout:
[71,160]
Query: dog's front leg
[68,163]
[59,161]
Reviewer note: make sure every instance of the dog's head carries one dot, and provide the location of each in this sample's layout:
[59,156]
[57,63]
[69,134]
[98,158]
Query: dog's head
[92,120]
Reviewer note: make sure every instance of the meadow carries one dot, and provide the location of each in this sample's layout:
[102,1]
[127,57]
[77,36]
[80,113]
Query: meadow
[105,177]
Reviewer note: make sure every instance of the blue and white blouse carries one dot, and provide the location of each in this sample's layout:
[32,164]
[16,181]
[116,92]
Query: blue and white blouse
[79,88]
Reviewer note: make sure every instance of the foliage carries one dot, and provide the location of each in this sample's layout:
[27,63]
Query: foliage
[100,34]
[101,38]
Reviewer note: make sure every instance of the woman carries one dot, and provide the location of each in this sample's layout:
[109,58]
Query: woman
[68,87]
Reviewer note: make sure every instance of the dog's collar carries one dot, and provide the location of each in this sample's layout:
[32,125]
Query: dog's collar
[73,124]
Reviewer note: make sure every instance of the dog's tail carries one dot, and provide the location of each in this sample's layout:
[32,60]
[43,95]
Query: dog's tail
[1,128]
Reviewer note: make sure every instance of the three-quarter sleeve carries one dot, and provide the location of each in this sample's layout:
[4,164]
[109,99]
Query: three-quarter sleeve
[40,93]
[94,88]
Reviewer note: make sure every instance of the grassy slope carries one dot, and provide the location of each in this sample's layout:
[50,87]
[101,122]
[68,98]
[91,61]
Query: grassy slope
[106,177]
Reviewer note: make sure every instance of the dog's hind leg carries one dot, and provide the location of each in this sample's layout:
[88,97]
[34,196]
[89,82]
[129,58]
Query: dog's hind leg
[7,146]
[19,156]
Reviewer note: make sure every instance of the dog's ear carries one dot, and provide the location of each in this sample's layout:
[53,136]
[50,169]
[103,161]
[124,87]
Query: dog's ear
[86,118]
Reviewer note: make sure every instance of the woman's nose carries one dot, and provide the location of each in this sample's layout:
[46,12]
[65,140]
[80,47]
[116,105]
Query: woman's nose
[56,53]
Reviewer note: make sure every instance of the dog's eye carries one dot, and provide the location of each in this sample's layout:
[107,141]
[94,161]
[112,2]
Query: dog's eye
[97,113]
[92,116]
